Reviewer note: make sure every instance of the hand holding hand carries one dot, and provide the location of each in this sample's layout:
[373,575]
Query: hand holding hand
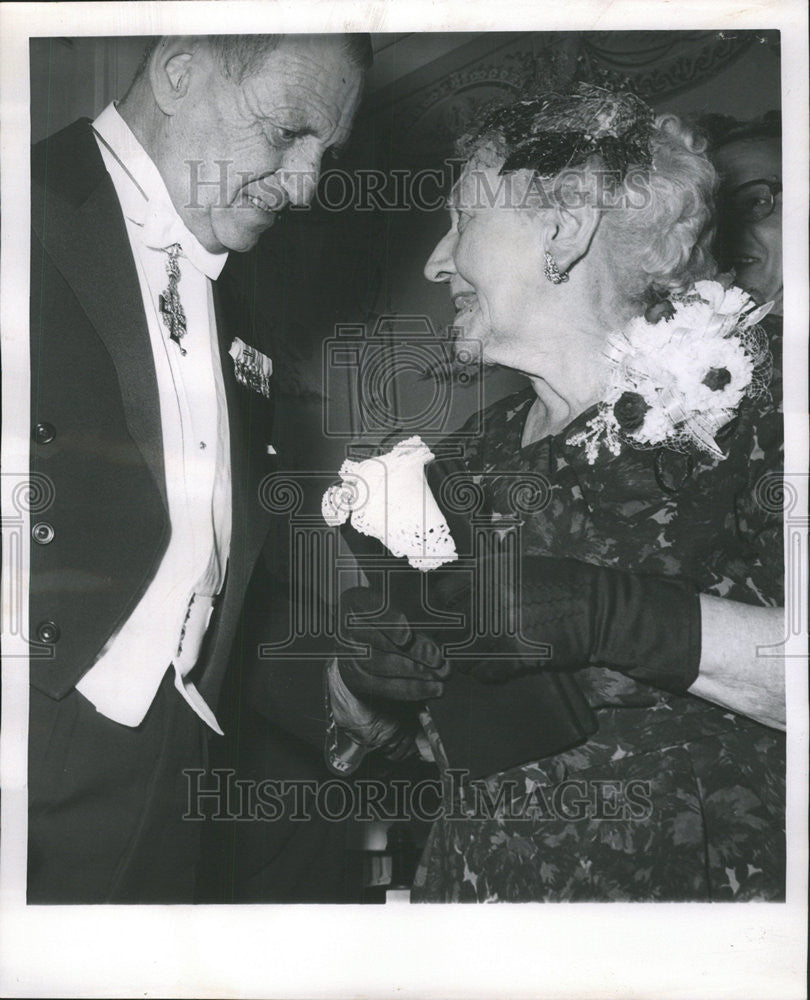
[401,665]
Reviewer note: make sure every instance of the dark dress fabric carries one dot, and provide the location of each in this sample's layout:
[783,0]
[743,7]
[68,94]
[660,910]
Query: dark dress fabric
[673,798]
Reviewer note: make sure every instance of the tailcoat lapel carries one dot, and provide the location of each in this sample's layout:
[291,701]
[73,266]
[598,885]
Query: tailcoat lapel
[77,218]
[83,231]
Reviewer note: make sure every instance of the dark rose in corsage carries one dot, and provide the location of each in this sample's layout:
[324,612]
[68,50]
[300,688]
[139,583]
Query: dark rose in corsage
[629,410]
[660,310]
[717,379]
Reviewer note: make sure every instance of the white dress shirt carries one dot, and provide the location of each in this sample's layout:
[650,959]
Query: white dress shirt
[168,625]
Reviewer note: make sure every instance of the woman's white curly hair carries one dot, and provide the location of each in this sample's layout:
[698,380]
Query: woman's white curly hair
[661,241]
[656,186]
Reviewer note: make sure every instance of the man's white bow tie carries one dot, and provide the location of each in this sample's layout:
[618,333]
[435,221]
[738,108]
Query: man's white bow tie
[163,228]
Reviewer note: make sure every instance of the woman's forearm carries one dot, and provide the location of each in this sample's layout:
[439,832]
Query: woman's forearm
[732,671]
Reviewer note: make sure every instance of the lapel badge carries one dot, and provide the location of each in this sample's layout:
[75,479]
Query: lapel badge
[251,367]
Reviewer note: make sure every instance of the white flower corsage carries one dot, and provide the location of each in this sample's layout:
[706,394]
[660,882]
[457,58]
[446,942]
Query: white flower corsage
[677,380]
[388,498]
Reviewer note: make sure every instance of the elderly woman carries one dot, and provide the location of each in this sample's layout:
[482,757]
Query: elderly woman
[576,256]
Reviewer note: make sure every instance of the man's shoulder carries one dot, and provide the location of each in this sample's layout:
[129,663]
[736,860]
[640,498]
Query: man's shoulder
[67,162]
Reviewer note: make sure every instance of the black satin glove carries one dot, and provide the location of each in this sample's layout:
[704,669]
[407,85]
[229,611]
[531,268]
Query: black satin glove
[402,666]
[645,626]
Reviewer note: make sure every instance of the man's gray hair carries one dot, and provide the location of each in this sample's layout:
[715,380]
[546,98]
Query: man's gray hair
[242,55]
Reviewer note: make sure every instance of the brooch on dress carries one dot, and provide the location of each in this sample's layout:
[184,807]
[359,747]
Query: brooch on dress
[251,367]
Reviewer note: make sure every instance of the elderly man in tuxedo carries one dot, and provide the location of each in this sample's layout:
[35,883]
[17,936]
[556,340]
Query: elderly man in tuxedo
[151,416]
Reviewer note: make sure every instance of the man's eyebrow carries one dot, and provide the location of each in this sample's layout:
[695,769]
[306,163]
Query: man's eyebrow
[295,116]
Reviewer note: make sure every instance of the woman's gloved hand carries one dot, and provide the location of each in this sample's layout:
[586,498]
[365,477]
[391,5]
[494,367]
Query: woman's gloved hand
[645,626]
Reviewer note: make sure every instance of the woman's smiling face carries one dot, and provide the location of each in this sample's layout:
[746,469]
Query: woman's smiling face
[492,258]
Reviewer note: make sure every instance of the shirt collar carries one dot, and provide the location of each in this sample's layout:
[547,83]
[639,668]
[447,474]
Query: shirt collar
[144,199]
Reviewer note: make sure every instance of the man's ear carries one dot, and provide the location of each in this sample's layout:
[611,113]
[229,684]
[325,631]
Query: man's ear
[170,69]
[573,232]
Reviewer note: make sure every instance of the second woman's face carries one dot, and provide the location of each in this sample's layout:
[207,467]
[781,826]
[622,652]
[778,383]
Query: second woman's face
[492,259]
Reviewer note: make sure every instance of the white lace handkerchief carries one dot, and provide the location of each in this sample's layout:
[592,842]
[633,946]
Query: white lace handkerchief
[388,498]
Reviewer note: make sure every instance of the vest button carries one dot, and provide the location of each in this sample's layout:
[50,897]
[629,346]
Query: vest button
[42,533]
[44,433]
[48,632]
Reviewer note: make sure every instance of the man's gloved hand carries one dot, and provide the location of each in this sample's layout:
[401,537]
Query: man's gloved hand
[367,726]
[401,665]
[645,626]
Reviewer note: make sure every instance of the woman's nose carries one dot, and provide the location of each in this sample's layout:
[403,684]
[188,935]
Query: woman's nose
[440,266]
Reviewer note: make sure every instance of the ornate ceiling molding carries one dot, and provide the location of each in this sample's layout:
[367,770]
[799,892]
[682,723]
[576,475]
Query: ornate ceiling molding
[426,121]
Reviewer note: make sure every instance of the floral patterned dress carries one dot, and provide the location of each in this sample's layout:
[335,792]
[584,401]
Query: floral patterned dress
[673,798]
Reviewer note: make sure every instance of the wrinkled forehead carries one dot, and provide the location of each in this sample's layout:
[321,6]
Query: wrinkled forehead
[312,81]
[749,159]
